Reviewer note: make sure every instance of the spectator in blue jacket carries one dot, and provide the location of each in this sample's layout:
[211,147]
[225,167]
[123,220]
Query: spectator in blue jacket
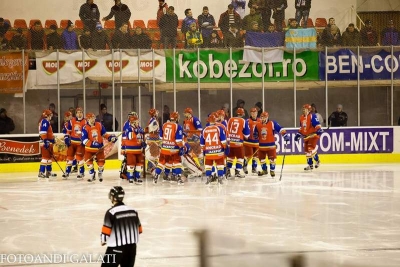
[187,21]
[69,37]
[4,26]
[390,35]
[206,23]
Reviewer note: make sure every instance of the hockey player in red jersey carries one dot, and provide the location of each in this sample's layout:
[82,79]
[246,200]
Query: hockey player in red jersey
[238,130]
[133,137]
[172,147]
[192,129]
[251,144]
[72,138]
[213,143]
[310,130]
[92,138]
[46,144]
[265,130]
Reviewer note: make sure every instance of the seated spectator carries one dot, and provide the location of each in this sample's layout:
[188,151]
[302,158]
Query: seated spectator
[215,40]
[36,36]
[140,40]
[18,41]
[390,35]
[233,38]
[69,37]
[53,39]
[85,39]
[338,118]
[6,123]
[271,28]
[194,39]
[100,39]
[351,37]
[255,27]
[249,19]
[369,37]
[331,38]
[3,43]
[121,38]
[4,26]
[293,24]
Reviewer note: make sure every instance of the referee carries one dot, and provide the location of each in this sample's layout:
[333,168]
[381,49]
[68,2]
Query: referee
[121,229]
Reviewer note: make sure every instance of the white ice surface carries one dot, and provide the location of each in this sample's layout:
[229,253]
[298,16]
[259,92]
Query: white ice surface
[338,214]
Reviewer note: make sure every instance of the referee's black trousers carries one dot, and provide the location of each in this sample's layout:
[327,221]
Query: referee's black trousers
[123,256]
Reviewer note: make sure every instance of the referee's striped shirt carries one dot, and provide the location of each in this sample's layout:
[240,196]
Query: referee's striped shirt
[121,226]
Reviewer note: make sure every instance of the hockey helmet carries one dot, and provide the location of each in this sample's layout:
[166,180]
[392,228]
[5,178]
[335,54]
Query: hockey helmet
[212,118]
[221,113]
[264,116]
[79,112]
[174,116]
[253,110]
[67,115]
[116,193]
[153,112]
[240,112]
[188,110]
[306,109]
[46,113]
[90,117]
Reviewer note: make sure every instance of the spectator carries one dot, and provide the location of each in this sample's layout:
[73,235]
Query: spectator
[225,107]
[233,38]
[6,123]
[314,111]
[89,14]
[331,38]
[69,37]
[54,118]
[302,11]
[293,24]
[369,37]
[100,39]
[140,39]
[215,40]
[255,27]
[121,38]
[84,39]
[338,118]
[250,18]
[271,28]
[106,119]
[36,36]
[351,37]
[227,18]
[18,41]
[53,39]
[162,10]
[187,21]
[121,13]
[240,104]
[168,25]
[193,37]
[166,114]
[3,43]
[4,26]
[327,29]
[206,23]
[264,8]
[258,106]
[390,35]
[279,7]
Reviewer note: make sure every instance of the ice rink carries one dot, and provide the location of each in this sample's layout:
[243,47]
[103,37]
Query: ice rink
[338,215]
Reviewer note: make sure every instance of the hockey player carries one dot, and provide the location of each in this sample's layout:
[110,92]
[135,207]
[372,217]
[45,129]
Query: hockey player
[133,136]
[251,144]
[192,129]
[152,131]
[265,130]
[310,130]
[221,118]
[213,143]
[92,137]
[172,148]
[46,143]
[238,130]
[72,138]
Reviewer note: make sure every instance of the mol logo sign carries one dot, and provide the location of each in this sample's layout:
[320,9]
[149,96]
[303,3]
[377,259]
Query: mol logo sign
[50,66]
[147,65]
[88,64]
[117,65]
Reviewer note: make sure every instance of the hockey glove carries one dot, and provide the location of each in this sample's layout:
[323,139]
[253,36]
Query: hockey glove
[226,151]
[144,145]
[286,137]
[95,145]
[297,137]
[320,131]
[112,138]
[195,138]
[67,140]
[182,151]
[46,143]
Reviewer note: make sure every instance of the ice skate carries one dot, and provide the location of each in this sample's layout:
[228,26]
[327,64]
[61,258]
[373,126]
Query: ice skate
[155,179]
[41,175]
[74,169]
[130,181]
[100,177]
[92,177]
[173,179]
[209,178]
[220,178]
[166,178]
[138,181]
[254,170]
[309,168]
[180,181]
[65,176]
[50,174]
[272,174]
[240,173]
[80,176]
[317,164]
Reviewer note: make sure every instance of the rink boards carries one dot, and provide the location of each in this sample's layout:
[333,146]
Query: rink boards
[336,145]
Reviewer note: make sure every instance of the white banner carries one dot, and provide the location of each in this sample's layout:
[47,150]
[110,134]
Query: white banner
[98,66]
[254,54]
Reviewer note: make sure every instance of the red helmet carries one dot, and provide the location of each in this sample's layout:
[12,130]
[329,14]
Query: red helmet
[133,116]
[253,110]
[79,109]
[307,107]
[67,114]
[212,118]
[221,113]
[153,112]
[90,115]
[174,116]
[188,110]
[264,115]
[46,113]
[240,112]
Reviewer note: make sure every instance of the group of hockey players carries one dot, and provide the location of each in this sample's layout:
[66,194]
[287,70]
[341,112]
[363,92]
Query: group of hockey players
[222,149]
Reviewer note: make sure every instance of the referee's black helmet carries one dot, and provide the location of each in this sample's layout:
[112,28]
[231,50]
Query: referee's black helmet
[117,193]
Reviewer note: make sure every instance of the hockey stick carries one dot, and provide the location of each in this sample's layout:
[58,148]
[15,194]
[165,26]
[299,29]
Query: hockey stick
[283,163]
[52,155]
[192,161]
[100,149]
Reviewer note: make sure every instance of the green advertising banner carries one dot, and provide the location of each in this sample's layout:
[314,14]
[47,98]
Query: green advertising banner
[215,67]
